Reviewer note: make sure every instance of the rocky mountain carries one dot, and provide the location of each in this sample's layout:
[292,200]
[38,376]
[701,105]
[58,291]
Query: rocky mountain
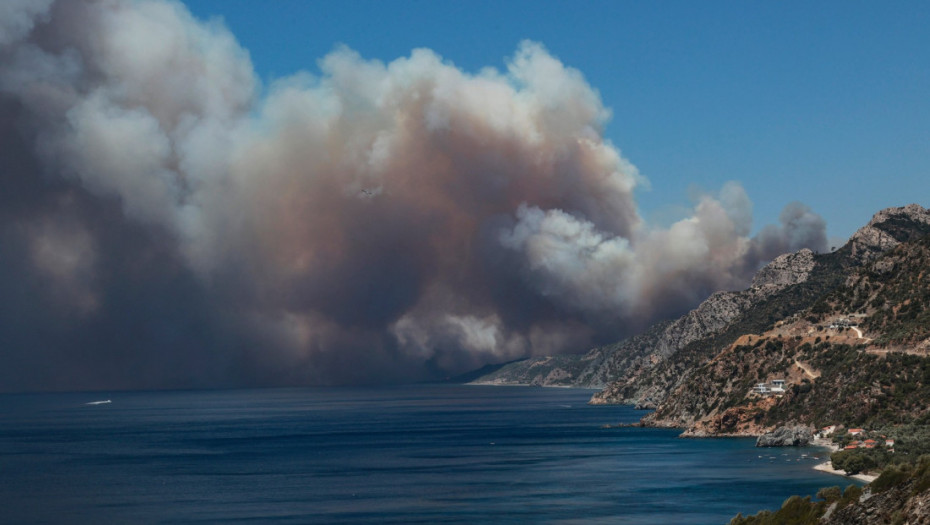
[887,229]
[691,369]
[797,436]
[723,317]
[858,355]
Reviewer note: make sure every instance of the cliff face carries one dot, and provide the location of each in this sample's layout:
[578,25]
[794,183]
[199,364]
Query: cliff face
[786,270]
[887,229]
[797,436]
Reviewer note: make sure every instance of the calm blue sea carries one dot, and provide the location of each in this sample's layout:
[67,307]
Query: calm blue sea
[414,454]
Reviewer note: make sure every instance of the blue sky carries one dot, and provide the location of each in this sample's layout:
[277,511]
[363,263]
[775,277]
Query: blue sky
[824,103]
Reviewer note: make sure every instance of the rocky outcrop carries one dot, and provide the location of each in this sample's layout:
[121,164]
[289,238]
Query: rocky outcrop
[887,229]
[734,421]
[785,270]
[904,503]
[797,436]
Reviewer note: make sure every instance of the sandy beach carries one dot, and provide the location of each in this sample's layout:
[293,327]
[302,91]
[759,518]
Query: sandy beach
[828,468]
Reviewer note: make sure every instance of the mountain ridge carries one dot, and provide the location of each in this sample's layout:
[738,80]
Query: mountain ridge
[626,371]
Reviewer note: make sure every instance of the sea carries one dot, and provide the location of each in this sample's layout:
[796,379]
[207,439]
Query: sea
[402,454]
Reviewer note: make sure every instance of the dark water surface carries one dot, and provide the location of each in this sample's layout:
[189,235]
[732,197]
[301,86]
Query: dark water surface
[416,454]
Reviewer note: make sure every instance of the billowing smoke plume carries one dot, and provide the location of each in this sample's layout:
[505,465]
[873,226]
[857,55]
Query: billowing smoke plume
[169,222]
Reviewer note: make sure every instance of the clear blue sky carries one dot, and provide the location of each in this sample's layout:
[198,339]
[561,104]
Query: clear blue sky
[827,103]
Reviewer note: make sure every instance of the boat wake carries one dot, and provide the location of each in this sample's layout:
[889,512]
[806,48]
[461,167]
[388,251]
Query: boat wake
[103,402]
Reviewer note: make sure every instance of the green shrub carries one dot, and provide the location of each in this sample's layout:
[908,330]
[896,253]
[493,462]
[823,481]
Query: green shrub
[853,461]
[891,477]
[830,494]
[852,493]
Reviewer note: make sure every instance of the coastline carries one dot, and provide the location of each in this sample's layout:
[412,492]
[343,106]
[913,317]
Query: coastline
[827,466]
[527,385]
[824,444]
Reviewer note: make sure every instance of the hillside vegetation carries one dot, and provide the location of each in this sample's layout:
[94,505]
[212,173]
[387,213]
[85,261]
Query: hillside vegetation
[858,356]
[901,495]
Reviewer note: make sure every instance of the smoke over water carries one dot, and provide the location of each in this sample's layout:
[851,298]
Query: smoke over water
[168,222]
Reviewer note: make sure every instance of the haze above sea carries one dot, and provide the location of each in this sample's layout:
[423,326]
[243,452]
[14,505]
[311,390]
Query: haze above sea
[411,454]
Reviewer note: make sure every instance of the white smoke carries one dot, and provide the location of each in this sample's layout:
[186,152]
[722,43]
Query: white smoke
[401,211]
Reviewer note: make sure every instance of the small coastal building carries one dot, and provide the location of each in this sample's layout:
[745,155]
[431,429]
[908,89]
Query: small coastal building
[774,387]
[870,443]
[855,431]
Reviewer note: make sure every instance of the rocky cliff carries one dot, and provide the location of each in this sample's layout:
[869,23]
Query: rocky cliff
[795,436]
[887,229]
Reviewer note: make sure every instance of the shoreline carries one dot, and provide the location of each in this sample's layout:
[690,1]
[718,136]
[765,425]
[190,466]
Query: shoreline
[824,444]
[494,383]
[827,445]
[827,466]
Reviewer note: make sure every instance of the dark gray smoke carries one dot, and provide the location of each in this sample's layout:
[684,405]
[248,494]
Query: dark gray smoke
[165,226]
